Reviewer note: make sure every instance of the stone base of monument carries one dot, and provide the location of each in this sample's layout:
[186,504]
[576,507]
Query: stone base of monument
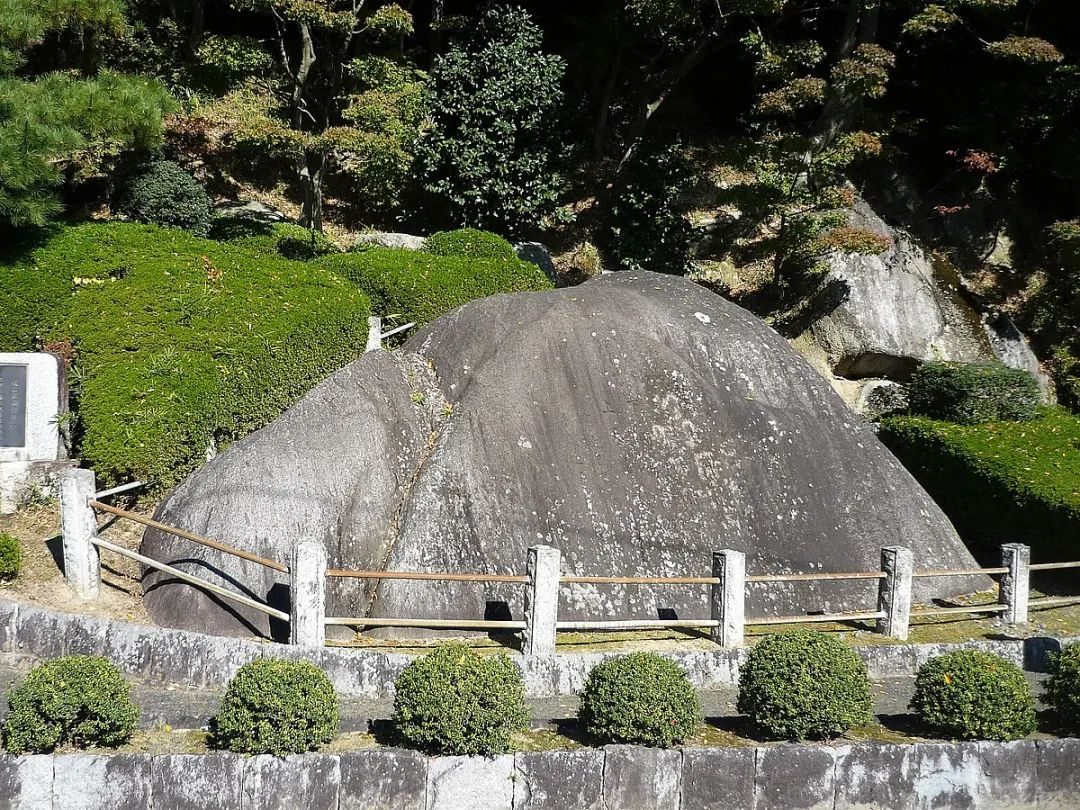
[23,482]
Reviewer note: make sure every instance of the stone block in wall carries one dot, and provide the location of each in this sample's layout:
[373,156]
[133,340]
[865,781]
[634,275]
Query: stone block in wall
[26,782]
[795,777]
[129,646]
[1009,775]
[40,632]
[224,656]
[946,775]
[179,657]
[308,781]
[637,778]
[877,776]
[86,635]
[476,783]
[9,622]
[1059,774]
[383,779]
[101,782]
[718,778]
[551,780]
[197,781]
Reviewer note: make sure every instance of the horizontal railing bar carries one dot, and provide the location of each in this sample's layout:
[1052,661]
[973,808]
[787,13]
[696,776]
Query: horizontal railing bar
[582,580]
[962,572]
[195,538]
[397,329]
[818,617]
[202,583]
[105,493]
[815,577]
[1053,566]
[1048,601]
[951,610]
[434,624]
[636,624]
[428,575]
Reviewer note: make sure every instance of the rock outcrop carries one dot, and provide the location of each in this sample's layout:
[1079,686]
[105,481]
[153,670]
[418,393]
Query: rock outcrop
[638,422]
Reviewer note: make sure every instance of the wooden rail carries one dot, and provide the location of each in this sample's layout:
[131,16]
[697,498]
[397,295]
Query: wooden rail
[816,617]
[431,624]
[823,577]
[1056,566]
[949,611]
[574,580]
[1050,601]
[636,624]
[439,577]
[195,538]
[198,581]
[962,572]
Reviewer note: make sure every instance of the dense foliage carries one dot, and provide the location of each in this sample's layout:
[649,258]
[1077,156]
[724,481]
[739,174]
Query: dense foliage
[269,238]
[162,193]
[421,286]
[77,700]
[493,104]
[974,695]
[804,685]
[456,701]
[969,393]
[162,374]
[641,699]
[1063,687]
[275,706]
[999,482]
[10,557]
[470,243]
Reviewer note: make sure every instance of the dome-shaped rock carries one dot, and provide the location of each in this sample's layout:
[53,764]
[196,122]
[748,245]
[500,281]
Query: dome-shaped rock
[637,422]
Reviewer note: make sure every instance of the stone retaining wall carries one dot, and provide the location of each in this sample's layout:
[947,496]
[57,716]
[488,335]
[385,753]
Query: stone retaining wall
[1026,774]
[194,659]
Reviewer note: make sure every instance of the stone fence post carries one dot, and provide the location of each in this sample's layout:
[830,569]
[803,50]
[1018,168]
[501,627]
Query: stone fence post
[82,565]
[894,592]
[541,600]
[1016,584]
[374,335]
[729,597]
[307,594]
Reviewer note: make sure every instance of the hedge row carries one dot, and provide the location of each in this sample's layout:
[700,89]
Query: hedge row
[454,701]
[970,393]
[181,343]
[999,482]
[422,286]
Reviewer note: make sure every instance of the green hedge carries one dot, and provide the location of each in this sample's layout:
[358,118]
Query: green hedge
[470,243]
[182,343]
[1063,687]
[79,700]
[10,557]
[276,706]
[455,701]
[641,698]
[270,238]
[422,286]
[970,393]
[999,482]
[974,695]
[804,685]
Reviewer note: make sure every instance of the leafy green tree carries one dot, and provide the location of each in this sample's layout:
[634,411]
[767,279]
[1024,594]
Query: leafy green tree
[493,103]
[58,123]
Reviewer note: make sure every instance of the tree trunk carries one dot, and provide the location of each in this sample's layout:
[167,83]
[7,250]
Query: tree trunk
[841,107]
[312,177]
[603,111]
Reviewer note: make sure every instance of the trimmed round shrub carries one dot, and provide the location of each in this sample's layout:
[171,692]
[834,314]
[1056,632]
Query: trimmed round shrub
[162,193]
[804,685]
[974,695]
[641,698]
[970,393]
[79,700]
[274,706]
[455,701]
[470,244]
[1063,687]
[10,557]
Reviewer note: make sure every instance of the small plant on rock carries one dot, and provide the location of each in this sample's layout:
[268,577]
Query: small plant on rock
[10,557]
[454,701]
[77,700]
[974,695]
[641,698]
[1063,687]
[804,685]
[274,706]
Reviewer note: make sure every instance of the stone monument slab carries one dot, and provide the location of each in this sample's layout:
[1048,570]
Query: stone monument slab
[31,399]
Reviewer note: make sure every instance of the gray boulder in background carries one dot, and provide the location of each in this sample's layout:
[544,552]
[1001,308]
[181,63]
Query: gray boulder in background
[403,241]
[638,422]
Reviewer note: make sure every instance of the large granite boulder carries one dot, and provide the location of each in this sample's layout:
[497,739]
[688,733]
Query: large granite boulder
[638,422]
